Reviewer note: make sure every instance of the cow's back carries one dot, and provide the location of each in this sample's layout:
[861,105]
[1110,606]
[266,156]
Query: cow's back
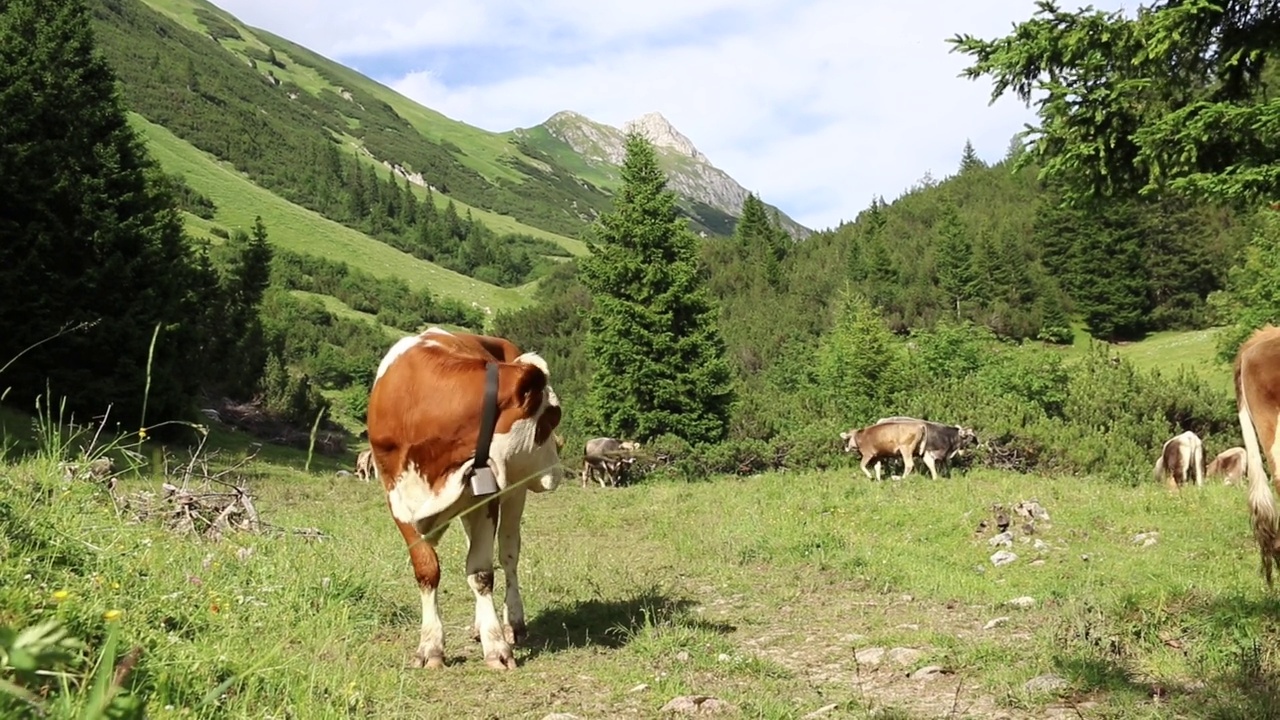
[602,446]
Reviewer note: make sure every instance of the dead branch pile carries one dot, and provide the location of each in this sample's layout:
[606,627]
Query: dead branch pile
[253,418]
[195,500]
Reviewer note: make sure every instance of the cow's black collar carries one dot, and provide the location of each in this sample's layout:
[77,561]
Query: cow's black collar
[482,479]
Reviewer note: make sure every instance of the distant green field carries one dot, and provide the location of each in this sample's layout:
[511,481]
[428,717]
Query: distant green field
[300,230]
[1168,352]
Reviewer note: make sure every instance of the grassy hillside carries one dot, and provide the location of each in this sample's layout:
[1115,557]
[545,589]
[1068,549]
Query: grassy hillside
[302,230]
[1169,352]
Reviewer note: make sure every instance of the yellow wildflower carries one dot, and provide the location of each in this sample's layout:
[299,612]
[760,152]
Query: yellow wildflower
[61,595]
[111,615]
[115,586]
[142,433]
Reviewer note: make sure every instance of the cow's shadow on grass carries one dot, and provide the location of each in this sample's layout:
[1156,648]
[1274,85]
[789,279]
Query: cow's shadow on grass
[612,623]
[1231,649]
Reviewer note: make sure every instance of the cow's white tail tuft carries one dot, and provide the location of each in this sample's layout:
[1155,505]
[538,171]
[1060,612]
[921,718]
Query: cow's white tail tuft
[1262,503]
[1158,473]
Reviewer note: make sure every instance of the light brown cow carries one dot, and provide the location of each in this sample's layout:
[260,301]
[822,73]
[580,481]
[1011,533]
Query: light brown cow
[424,425]
[1181,455]
[886,440]
[1228,464]
[364,465]
[1257,383]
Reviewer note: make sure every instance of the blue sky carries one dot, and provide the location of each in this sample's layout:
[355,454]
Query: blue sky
[816,105]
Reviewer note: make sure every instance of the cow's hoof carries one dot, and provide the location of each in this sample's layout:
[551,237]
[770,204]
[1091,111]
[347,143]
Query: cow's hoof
[432,661]
[515,633]
[501,660]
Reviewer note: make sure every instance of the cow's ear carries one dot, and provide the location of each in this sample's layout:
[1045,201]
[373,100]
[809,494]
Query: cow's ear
[530,383]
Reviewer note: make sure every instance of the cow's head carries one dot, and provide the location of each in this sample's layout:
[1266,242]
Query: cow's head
[850,438]
[425,413]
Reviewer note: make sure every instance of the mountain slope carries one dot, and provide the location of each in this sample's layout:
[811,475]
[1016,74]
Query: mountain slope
[300,230]
[595,152]
[494,172]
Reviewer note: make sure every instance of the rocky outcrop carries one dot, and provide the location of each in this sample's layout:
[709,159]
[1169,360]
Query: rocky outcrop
[689,172]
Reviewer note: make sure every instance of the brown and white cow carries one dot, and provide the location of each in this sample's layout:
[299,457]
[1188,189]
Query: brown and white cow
[424,423]
[1257,384]
[1181,455]
[364,465]
[1228,464]
[882,440]
[604,458]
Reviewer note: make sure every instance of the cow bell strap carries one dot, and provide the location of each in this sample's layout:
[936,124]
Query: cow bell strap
[482,479]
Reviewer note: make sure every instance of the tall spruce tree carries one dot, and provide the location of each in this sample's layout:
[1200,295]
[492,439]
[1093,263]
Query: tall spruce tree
[659,359]
[87,234]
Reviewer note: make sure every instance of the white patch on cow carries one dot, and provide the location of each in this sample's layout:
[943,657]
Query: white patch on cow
[412,498]
[514,457]
[436,330]
[431,641]
[401,347]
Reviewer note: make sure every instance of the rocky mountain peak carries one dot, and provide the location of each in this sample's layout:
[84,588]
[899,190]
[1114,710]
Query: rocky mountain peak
[662,133]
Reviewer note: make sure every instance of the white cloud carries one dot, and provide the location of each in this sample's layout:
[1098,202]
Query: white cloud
[875,85]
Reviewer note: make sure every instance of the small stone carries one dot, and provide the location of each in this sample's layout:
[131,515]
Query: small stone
[696,704]
[820,711]
[908,626]
[1002,557]
[1040,544]
[1046,683]
[560,716]
[906,598]
[905,656]
[928,672]
[1146,538]
[683,656]
[1004,538]
[639,688]
[1036,563]
[1025,601]
[996,622]
[1085,557]
[1149,542]
[852,638]
[723,657]
[870,656]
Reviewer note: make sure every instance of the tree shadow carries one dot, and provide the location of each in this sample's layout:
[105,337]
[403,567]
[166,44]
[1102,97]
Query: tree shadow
[1232,644]
[611,624]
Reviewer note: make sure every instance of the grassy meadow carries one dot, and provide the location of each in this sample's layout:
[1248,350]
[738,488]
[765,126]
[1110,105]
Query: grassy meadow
[771,593]
[301,230]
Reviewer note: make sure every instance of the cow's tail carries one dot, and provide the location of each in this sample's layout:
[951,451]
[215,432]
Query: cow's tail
[1262,503]
[1157,474]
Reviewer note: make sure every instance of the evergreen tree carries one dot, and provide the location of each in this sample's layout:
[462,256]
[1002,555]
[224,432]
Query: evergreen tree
[87,233]
[659,358]
[246,283]
[969,160]
[955,274]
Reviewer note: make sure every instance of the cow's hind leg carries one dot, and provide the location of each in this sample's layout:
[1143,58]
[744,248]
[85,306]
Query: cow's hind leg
[426,568]
[481,525]
[908,462]
[509,555]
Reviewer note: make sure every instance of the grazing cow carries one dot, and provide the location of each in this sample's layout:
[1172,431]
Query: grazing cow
[943,442]
[1180,454]
[885,440]
[604,457]
[462,425]
[1229,464]
[364,465]
[1257,384]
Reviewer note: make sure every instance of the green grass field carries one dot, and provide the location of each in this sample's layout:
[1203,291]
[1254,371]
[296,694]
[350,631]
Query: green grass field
[296,228]
[780,594]
[1168,352]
